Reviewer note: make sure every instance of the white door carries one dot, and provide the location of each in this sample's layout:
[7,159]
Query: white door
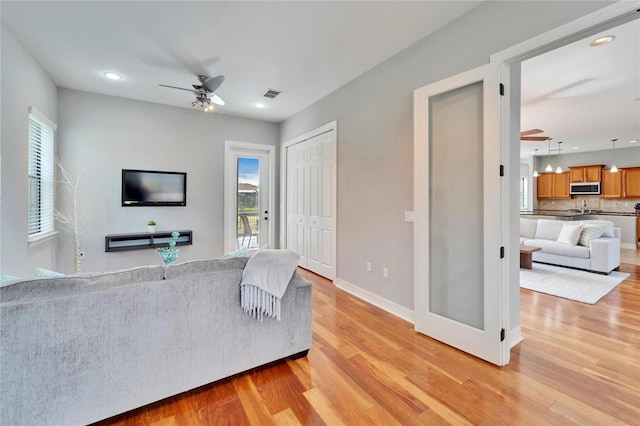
[248,196]
[311,199]
[459,296]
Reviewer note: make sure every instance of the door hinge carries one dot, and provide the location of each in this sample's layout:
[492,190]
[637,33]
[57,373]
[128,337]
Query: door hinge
[502,335]
[502,252]
[501,170]
[501,89]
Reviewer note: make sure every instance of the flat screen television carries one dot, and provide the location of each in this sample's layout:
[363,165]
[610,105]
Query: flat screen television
[153,188]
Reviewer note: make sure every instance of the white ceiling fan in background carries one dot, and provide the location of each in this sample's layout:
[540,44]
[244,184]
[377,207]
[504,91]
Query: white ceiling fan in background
[205,92]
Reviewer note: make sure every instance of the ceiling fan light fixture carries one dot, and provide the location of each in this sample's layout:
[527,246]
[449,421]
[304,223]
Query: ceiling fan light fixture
[548,168]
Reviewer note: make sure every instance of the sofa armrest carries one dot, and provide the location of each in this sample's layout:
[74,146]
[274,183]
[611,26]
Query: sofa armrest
[302,282]
[605,254]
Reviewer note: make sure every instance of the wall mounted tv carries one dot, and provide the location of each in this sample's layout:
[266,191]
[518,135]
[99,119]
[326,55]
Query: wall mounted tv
[153,188]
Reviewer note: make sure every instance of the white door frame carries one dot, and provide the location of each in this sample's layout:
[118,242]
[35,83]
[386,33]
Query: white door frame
[600,20]
[332,126]
[230,195]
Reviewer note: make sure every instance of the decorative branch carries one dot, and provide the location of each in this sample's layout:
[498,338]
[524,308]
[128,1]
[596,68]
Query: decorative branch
[74,222]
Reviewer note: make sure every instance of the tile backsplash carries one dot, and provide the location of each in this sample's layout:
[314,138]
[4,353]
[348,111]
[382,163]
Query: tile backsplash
[593,202]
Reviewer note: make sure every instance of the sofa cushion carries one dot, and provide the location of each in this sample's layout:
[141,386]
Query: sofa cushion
[548,229]
[570,233]
[528,227]
[195,267]
[590,232]
[79,283]
[608,226]
[554,247]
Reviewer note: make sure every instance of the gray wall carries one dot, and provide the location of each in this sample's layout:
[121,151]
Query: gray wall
[101,135]
[24,84]
[375,134]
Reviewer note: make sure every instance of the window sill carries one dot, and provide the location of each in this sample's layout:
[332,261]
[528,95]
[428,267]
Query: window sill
[38,239]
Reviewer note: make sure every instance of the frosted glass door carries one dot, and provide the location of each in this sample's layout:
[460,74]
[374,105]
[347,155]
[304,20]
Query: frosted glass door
[457,203]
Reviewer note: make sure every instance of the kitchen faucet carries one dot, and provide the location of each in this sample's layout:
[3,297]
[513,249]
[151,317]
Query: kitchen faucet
[584,204]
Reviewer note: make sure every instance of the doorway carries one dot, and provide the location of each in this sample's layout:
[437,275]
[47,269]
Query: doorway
[249,195]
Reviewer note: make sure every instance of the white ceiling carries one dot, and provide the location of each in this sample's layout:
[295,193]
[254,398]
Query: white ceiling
[584,96]
[306,49]
[579,94]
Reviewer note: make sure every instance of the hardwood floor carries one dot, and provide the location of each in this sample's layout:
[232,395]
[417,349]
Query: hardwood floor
[578,364]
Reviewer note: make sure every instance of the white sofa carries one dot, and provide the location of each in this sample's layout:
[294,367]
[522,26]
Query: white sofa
[601,254]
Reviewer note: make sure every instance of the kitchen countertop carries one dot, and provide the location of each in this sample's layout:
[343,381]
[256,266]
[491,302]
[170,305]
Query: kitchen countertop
[575,212]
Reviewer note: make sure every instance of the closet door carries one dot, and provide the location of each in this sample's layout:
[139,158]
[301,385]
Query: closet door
[297,200]
[321,217]
[311,209]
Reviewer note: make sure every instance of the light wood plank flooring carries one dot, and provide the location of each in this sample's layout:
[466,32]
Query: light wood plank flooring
[579,364]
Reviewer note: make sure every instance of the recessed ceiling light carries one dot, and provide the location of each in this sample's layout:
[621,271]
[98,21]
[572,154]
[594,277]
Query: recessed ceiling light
[602,40]
[112,75]
[633,141]
[575,147]
[260,105]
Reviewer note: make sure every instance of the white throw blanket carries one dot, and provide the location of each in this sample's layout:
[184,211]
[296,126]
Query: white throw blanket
[264,280]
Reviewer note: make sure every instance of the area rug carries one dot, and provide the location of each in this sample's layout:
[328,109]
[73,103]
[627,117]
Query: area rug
[582,286]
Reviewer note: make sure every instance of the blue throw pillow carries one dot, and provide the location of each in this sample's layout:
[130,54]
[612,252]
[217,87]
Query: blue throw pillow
[46,273]
[242,252]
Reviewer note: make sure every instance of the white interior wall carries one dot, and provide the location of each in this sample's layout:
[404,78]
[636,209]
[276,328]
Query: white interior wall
[24,84]
[375,113]
[102,135]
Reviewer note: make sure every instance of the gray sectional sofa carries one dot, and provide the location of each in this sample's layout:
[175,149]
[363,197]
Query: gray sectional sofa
[600,254]
[81,348]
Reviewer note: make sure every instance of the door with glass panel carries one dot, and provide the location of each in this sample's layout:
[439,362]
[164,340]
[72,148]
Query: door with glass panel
[249,199]
[458,287]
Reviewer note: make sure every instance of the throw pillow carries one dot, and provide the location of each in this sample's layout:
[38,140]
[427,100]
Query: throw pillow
[42,272]
[570,233]
[590,232]
[242,252]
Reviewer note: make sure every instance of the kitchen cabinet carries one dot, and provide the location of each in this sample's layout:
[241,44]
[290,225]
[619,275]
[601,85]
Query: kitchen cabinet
[611,185]
[631,178]
[585,173]
[553,185]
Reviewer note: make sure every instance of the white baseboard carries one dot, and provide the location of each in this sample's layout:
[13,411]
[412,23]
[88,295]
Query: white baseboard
[374,299]
[628,246]
[515,336]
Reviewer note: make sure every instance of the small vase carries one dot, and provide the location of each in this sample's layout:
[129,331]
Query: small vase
[151,229]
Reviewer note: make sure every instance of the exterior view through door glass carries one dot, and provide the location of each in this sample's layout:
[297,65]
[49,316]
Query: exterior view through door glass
[248,202]
[251,207]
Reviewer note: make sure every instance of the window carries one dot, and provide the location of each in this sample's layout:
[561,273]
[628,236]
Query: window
[524,193]
[41,175]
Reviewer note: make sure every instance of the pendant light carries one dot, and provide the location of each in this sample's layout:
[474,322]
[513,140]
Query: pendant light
[614,169]
[559,168]
[548,168]
[535,169]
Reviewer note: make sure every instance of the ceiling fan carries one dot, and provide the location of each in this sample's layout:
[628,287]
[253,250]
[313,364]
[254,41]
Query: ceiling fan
[205,92]
[526,135]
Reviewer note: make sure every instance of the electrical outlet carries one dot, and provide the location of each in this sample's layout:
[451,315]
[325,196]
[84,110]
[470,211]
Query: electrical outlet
[368,266]
[409,217]
[385,272]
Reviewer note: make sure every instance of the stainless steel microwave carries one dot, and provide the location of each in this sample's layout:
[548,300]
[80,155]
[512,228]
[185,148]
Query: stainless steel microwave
[588,188]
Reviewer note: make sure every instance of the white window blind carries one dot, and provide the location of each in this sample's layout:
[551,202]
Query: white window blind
[41,174]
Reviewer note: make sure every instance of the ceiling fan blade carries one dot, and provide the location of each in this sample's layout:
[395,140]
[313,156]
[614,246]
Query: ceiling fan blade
[213,83]
[179,88]
[534,138]
[530,132]
[216,99]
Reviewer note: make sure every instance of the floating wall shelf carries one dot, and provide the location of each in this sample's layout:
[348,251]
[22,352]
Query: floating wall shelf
[145,240]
